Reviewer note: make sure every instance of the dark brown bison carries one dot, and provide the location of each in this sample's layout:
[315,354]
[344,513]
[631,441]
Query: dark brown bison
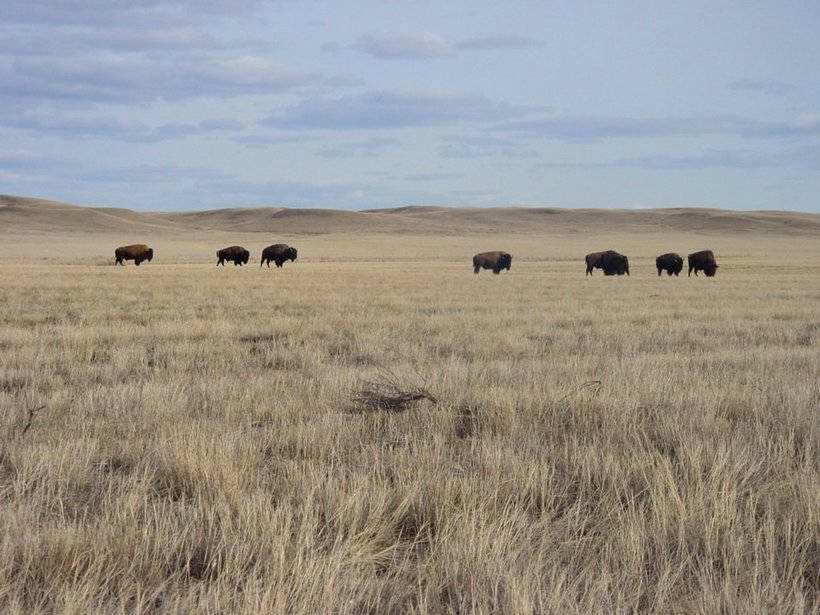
[614,264]
[278,253]
[594,261]
[138,252]
[235,254]
[703,261]
[670,262]
[492,260]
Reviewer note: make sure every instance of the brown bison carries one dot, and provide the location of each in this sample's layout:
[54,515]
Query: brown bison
[492,260]
[594,261]
[703,261]
[138,252]
[670,262]
[614,264]
[278,253]
[236,254]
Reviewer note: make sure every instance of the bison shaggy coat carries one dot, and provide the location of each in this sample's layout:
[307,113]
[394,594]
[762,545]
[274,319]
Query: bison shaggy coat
[235,254]
[278,253]
[492,260]
[137,252]
[702,261]
[614,263]
[595,260]
[670,262]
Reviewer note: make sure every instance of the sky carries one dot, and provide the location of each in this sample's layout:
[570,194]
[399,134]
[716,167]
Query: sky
[199,104]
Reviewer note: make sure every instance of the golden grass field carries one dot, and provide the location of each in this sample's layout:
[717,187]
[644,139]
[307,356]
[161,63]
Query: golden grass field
[178,437]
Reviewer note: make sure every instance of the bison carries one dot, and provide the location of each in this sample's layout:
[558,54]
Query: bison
[594,261]
[702,261]
[670,262]
[278,253]
[614,264]
[236,254]
[492,260]
[138,252]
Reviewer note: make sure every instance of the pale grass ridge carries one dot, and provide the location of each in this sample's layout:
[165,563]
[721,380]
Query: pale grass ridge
[582,445]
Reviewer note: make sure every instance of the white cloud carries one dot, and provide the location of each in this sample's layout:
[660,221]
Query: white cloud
[126,77]
[253,71]
[366,148]
[418,45]
[498,41]
[807,121]
[74,126]
[585,128]
[389,109]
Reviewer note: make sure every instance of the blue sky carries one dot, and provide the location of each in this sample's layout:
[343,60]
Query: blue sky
[192,104]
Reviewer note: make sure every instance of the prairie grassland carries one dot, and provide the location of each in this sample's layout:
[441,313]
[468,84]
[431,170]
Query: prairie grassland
[181,438]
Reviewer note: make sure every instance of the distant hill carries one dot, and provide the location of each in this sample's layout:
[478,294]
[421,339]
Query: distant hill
[28,215]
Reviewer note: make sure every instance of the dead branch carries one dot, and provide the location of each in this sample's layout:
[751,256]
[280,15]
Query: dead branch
[32,412]
[388,393]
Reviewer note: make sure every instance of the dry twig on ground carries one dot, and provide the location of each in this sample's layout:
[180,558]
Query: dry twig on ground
[32,412]
[387,392]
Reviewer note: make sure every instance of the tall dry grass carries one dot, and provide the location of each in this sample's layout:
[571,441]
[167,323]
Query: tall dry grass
[204,440]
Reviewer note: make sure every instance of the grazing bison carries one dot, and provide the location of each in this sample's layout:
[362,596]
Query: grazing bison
[594,261]
[703,261]
[614,264]
[492,260]
[670,262]
[236,254]
[138,252]
[278,253]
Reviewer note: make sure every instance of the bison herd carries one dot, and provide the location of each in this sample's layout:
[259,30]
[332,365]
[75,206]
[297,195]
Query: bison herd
[609,261]
[613,263]
[278,253]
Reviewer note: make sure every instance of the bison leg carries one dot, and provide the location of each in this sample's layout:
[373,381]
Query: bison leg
[137,262]
[476,269]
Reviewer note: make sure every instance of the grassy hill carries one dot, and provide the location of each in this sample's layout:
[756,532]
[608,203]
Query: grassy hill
[28,215]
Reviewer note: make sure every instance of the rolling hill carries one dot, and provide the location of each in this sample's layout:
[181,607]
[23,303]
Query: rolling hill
[22,215]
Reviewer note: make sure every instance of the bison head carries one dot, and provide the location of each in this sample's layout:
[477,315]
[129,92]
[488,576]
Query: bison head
[149,254]
[291,254]
[710,270]
[245,257]
[505,262]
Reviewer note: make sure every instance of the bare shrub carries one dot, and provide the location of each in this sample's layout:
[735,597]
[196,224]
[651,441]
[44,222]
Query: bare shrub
[390,393]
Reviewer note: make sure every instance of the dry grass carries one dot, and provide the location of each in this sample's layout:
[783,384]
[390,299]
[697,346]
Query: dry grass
[583,445]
